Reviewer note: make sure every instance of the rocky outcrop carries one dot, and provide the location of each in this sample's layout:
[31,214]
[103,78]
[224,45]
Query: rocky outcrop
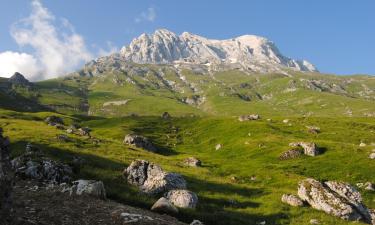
[6,178]
[151,178]
[291,200]
[32,164]
[182,198]
[248,117]
[193,162]
[54,120]
[309,148]
[88,187]
[335,198]
[139,142]
[164,206]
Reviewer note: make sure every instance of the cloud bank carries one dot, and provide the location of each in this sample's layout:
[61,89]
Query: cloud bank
[55,51]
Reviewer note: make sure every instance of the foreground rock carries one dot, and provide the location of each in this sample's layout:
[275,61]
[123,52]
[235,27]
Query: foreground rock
[151,178]
[139,142]
[291,200]
[32,164]
[193,162]
[182,198]
[163,205]
[335,198]
[6,178]
[248,117]
[309,148]
[88,187]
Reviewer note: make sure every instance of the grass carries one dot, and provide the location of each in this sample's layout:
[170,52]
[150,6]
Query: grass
[250,149]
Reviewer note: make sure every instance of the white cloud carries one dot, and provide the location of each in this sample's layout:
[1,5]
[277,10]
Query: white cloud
[110,50]
[21,62]
[148,15]
[55,51]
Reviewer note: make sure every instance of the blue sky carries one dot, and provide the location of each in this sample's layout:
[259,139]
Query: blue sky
[337,36]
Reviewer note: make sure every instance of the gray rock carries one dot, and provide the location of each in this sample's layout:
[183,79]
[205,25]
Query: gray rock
[166,115]
[182,198]
[88,187]
[218,146]
[196,222]
[248,117]
[62,138]
[291,200]
[84,131]
[335,198]
[139,142]
[54,120]
[314,222]
[151,178]
[193,162]
[291,154]
[372,155]
[164,206]
[309,148]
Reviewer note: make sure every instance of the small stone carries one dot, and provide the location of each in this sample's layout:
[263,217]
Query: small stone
[362,144]
[196,222]
[193,162]
[286,121]
[314,221]
[372,155]
[218,147]
[291,200]
[182,198]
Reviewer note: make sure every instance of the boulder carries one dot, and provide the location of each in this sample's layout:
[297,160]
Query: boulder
[164,206]
[291,154]
[54,120]
[139,142]
[309,148]
[6,178]
[151,178]
[193,162]
[88,187]
[182,198]
[335,198]
[248,117]
[291,200]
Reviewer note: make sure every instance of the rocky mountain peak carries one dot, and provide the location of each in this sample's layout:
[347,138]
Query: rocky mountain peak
[18,78]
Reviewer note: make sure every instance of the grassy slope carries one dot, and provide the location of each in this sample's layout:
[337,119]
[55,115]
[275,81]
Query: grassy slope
[256,200]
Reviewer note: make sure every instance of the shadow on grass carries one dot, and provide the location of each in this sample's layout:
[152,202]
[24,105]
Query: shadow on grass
[214,211]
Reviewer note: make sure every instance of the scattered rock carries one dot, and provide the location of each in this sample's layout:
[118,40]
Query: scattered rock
[309,148]
[164,206]
[6,178]
[131,218]
[313,129]
[139,142]
[369,186]
[314,222]
[84,131]
[151,179]
[335,198]
[291,154]
[193,162]
[291,200]
[248,117]
[286,121]
[196,222]
[218,147]
[166,116]
[88,187]
[372,155]
[62,138]
[182,198]
[54,120]
[362,144]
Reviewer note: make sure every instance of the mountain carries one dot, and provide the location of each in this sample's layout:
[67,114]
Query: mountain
[247,52]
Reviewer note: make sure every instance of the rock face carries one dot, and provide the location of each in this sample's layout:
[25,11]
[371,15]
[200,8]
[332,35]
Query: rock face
[89,187]
[193,162]
[248,117]
[182,198]
[6,178]
[291,200]
[34,165]
[309,148]
[139,142]
[249,52]
[164,206]
[335,198]
[151,178]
